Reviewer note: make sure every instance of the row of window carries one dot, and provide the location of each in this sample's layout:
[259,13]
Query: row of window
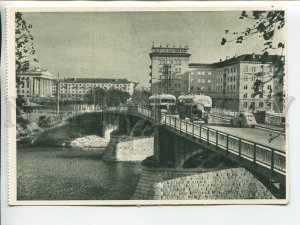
[253,69]
[92,85]
[229,79]
[176,70]
[226,70]
[200,88]
[259,105]
[201,73]
[162,85]
[175,61]
[200,81]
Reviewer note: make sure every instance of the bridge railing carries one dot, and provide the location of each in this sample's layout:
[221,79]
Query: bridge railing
[265,156]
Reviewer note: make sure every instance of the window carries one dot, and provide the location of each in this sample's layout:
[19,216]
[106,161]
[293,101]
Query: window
[245,87]
[260,95]
[245,95]
[230,79]
[234,78]
[209,73]
[203,73]
[233,69]
[199,73]
[245,104]
[253,69]
[269,87]
[260,104]
[209,81]
[246,69]
[233,87]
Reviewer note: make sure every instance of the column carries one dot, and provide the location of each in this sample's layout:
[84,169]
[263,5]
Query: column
[30,86]
[40,87]
[34,86]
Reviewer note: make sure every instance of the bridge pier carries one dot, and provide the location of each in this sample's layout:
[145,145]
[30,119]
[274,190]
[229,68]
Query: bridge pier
[171,150]
[123,146]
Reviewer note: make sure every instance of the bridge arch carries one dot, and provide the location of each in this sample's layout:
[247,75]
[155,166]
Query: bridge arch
[189,156]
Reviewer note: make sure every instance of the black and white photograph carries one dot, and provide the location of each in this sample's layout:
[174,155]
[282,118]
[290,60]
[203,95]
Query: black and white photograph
[170,106]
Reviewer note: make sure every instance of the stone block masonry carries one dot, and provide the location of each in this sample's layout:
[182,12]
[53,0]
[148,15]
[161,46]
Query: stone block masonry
[189,184]
[128,148]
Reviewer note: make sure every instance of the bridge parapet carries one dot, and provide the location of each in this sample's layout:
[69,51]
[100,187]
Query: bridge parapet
[263,159]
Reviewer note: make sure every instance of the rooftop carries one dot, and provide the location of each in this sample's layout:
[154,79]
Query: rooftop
[259,58]
[95,80]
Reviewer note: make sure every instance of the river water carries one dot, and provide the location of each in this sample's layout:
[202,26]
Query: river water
[73,174]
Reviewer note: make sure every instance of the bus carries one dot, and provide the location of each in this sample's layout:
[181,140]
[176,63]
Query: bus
[165,102]
[194,107]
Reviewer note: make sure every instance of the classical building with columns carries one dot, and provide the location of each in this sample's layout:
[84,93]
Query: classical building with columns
[35,83]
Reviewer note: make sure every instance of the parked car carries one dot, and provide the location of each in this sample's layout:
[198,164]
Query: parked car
[244,119]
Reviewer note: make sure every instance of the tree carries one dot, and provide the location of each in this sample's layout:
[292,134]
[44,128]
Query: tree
[24,50]
[110,97]
[265,26]
[24,53]
[140,97]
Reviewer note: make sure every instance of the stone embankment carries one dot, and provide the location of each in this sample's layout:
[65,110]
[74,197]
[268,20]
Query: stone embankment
[128,148]
[186,184]
[91,141]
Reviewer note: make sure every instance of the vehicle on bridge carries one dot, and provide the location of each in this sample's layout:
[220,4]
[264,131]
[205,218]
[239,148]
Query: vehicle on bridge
[165,102]
[194,107]
[243,119]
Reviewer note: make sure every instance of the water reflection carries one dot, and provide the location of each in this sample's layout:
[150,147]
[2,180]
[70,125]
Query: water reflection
[71,174]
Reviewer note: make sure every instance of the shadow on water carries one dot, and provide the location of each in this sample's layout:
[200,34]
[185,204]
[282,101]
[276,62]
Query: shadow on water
[73,174]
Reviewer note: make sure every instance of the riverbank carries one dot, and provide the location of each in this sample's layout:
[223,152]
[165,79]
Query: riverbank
[62,130]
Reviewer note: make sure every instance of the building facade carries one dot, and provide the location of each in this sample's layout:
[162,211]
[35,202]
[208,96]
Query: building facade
[230,83]
[77,88]
[235,80]
[35,84]
[166,63]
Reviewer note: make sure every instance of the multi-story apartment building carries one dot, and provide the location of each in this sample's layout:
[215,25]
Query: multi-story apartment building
[77,88]
[35,83]
[230,83]
[166,63]
[234,83]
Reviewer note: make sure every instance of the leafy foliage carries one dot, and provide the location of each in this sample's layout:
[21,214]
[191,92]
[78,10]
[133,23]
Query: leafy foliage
[24,49]
[265,26]
[110,97]
[266,23]
[140,97]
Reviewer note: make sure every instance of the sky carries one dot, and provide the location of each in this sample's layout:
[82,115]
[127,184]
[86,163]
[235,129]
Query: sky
[117,44]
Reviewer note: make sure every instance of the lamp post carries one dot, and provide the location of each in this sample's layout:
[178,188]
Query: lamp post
[58,92]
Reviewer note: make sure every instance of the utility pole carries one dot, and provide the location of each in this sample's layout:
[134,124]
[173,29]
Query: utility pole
[58,92]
